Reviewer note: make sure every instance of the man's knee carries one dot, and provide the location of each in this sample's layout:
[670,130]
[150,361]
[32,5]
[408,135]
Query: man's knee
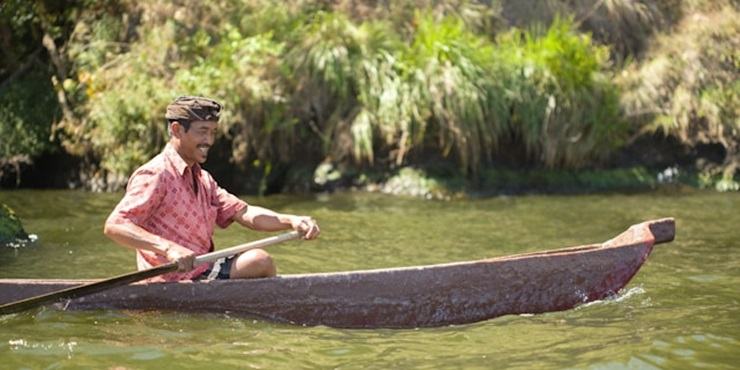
[254,263]
[260,258]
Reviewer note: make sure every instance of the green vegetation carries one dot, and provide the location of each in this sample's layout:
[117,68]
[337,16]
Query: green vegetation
[374,89]
[565,108]
[27,111]
[689,89]
[11,229]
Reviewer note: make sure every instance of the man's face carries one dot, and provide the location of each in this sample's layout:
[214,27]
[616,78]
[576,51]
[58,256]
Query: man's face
[193,144]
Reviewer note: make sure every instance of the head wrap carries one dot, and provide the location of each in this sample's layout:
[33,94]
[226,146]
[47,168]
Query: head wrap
[193,108]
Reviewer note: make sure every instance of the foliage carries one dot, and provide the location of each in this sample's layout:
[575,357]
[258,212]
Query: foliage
[124,86]
[365,84]
[240,72]
[16,19]
[625,25]
[24,22]
[689,86]
[28,105]
[27,110]
[11,229]
[482,18]
[564,107]
[345,82]
[118,101]
[451,72]
[359,92]
[358,87]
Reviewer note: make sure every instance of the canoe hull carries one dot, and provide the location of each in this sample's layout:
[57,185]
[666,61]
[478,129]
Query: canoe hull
[423,296]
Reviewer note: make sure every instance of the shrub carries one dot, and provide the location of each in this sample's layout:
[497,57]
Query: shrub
[688,87]
[564,107]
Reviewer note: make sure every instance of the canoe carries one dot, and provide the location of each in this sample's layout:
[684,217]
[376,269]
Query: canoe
[419,296]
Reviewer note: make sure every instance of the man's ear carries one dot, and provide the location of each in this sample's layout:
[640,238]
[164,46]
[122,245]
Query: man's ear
[177,129]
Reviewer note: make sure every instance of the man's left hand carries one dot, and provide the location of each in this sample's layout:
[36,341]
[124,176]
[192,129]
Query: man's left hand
[307,226]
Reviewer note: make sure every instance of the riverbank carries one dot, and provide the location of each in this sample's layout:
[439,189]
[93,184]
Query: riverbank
[416,182]
[641,169]
[375,89]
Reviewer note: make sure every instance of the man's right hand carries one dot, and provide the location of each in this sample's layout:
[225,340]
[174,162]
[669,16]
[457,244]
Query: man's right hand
[183,256]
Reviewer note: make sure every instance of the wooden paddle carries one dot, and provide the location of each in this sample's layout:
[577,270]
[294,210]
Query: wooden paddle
[98,286]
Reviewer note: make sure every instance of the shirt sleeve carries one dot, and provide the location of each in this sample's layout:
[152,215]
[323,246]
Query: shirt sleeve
[144,193]
[228,205]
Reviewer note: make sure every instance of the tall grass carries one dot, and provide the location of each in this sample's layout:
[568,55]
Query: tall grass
[564,109]
[299,81]
[451,71]
[688,87]
[336,64]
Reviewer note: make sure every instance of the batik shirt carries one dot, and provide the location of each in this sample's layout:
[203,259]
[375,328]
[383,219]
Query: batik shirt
[161,198]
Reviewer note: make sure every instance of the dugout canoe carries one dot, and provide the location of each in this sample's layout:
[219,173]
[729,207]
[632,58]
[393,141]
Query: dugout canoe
[420,296]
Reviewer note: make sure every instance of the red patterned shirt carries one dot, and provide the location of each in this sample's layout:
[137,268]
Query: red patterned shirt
[160,198]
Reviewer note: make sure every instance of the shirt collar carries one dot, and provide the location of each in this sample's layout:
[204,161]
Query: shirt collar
[180,166]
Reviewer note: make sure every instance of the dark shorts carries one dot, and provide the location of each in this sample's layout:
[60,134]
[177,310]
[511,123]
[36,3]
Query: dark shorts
[220,270]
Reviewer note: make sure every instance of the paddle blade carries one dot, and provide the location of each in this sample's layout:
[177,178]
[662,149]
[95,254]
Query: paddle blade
[86,289]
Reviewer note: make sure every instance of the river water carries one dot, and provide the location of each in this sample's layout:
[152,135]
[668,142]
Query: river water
[680,311]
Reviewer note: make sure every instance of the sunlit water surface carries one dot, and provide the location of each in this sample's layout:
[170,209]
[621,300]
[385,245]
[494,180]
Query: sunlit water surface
[680,311]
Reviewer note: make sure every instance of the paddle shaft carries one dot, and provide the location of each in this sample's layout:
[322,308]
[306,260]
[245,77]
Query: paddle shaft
[132,277]
[213,256]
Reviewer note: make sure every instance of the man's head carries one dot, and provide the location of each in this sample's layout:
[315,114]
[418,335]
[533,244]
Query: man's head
[192,122]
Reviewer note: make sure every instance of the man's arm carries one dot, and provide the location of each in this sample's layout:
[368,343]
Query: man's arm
[130,235]
[263,219]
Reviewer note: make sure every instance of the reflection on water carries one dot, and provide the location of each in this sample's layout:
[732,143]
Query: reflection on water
[680,311]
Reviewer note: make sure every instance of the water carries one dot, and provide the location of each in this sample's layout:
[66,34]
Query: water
[680,311]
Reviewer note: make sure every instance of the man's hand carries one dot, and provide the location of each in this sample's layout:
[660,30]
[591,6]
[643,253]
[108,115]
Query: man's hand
[305,225]
[263,219]
[183,256]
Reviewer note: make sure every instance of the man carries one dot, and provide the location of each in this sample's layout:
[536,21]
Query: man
[171,205]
